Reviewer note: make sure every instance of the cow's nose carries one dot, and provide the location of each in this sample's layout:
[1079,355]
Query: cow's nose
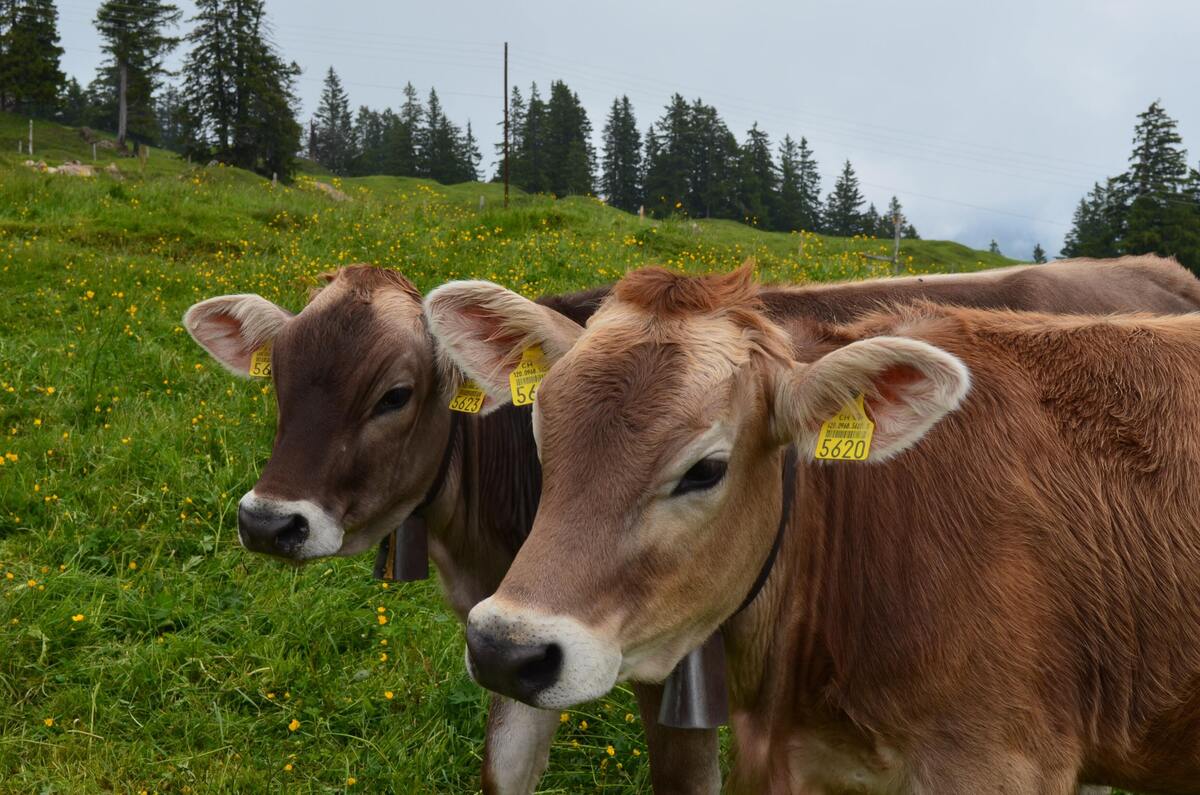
[513,669]
[272,533]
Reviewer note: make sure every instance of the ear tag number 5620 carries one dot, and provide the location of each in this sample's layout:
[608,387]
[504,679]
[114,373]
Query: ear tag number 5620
[846,436]
[523,381]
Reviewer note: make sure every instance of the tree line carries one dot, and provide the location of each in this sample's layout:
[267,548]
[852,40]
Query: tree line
[417,140]
[688,161]
[235,100]
[1153,207]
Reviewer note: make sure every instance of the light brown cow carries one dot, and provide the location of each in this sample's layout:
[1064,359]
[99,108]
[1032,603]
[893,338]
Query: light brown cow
[1004,598]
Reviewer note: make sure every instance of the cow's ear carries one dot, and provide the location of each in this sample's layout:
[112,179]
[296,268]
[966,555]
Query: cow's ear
[483,329]
[233,327]
[907,386]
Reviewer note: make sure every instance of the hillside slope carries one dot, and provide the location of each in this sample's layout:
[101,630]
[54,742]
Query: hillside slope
[678,241]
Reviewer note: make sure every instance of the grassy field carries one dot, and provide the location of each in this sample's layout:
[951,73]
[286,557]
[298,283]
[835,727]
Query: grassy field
[143,650]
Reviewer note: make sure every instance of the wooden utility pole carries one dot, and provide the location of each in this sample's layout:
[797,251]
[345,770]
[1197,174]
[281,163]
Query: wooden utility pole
[31,137]
[506,125]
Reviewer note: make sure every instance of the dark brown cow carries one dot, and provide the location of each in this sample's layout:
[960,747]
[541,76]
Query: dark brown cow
[1005,597]
[363,427]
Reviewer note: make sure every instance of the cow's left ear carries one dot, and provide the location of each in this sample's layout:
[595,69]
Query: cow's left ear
[484,329]
[232,327]
[907,386]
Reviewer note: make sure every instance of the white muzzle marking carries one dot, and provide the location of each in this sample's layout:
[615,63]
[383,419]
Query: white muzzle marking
[589,662]
[325,535]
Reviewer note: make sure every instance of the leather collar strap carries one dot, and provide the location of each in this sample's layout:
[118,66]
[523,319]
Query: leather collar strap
[439,479]
[785,515]
[404,553]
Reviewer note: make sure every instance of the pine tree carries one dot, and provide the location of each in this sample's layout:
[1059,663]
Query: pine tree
[873,223]
[757,179]
[73,107]
[712,158]
[516,123]
[1097,225]
[440,143]
[808,206]
[668,159]
[621,180]
[1039,254]
[239,94]
[469,156]
[843,214]
[1159,219]
[887,223]
[403,139]
[570,159]
[528,168]
[334,126]
[993,247]
[788,217]
[168,111]
[135,40]
[367,142]
[30,76]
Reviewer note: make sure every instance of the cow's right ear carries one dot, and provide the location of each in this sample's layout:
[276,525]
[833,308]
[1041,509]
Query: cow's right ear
[907,386]
[484,329]
[233,327]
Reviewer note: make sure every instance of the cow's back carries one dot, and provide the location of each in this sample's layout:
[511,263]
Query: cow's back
[1079,286]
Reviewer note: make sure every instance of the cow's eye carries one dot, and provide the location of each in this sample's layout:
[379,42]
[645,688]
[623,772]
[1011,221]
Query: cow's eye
[704,474]
[394,399]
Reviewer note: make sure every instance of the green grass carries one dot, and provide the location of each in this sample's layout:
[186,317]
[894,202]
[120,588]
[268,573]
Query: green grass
[142,649]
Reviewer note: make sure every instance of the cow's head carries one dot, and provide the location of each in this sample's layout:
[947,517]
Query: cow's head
[661,430]
[363,422]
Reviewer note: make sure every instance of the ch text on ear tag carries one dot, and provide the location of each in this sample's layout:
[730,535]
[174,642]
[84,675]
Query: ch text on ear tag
[526,376]
[468,399]
[846,436]
[260,362]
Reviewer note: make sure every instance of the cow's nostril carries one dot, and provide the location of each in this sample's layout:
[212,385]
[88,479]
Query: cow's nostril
[519,670]
[542,668]
[275,534]
[292,534]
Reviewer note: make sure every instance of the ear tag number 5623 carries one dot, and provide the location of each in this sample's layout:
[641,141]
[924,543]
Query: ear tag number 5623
[523,381]
[846,436]
[260,362]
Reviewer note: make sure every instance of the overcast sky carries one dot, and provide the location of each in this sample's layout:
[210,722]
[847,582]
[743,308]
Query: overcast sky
[988,120]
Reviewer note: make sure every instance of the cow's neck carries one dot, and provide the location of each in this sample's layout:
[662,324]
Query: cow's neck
[486,505]
[778,659]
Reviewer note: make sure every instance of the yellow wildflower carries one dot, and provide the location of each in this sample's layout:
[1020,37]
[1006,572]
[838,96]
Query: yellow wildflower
[295,724]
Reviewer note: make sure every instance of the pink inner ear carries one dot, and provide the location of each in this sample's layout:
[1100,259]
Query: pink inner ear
[222,335]
[486,326]
[892,386]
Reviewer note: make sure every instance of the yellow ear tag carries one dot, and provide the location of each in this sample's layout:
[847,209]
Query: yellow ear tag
[468,399]
[846,436]
[526,376]
[260,362]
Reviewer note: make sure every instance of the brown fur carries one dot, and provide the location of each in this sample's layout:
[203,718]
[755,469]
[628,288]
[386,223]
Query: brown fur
[1010,606]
